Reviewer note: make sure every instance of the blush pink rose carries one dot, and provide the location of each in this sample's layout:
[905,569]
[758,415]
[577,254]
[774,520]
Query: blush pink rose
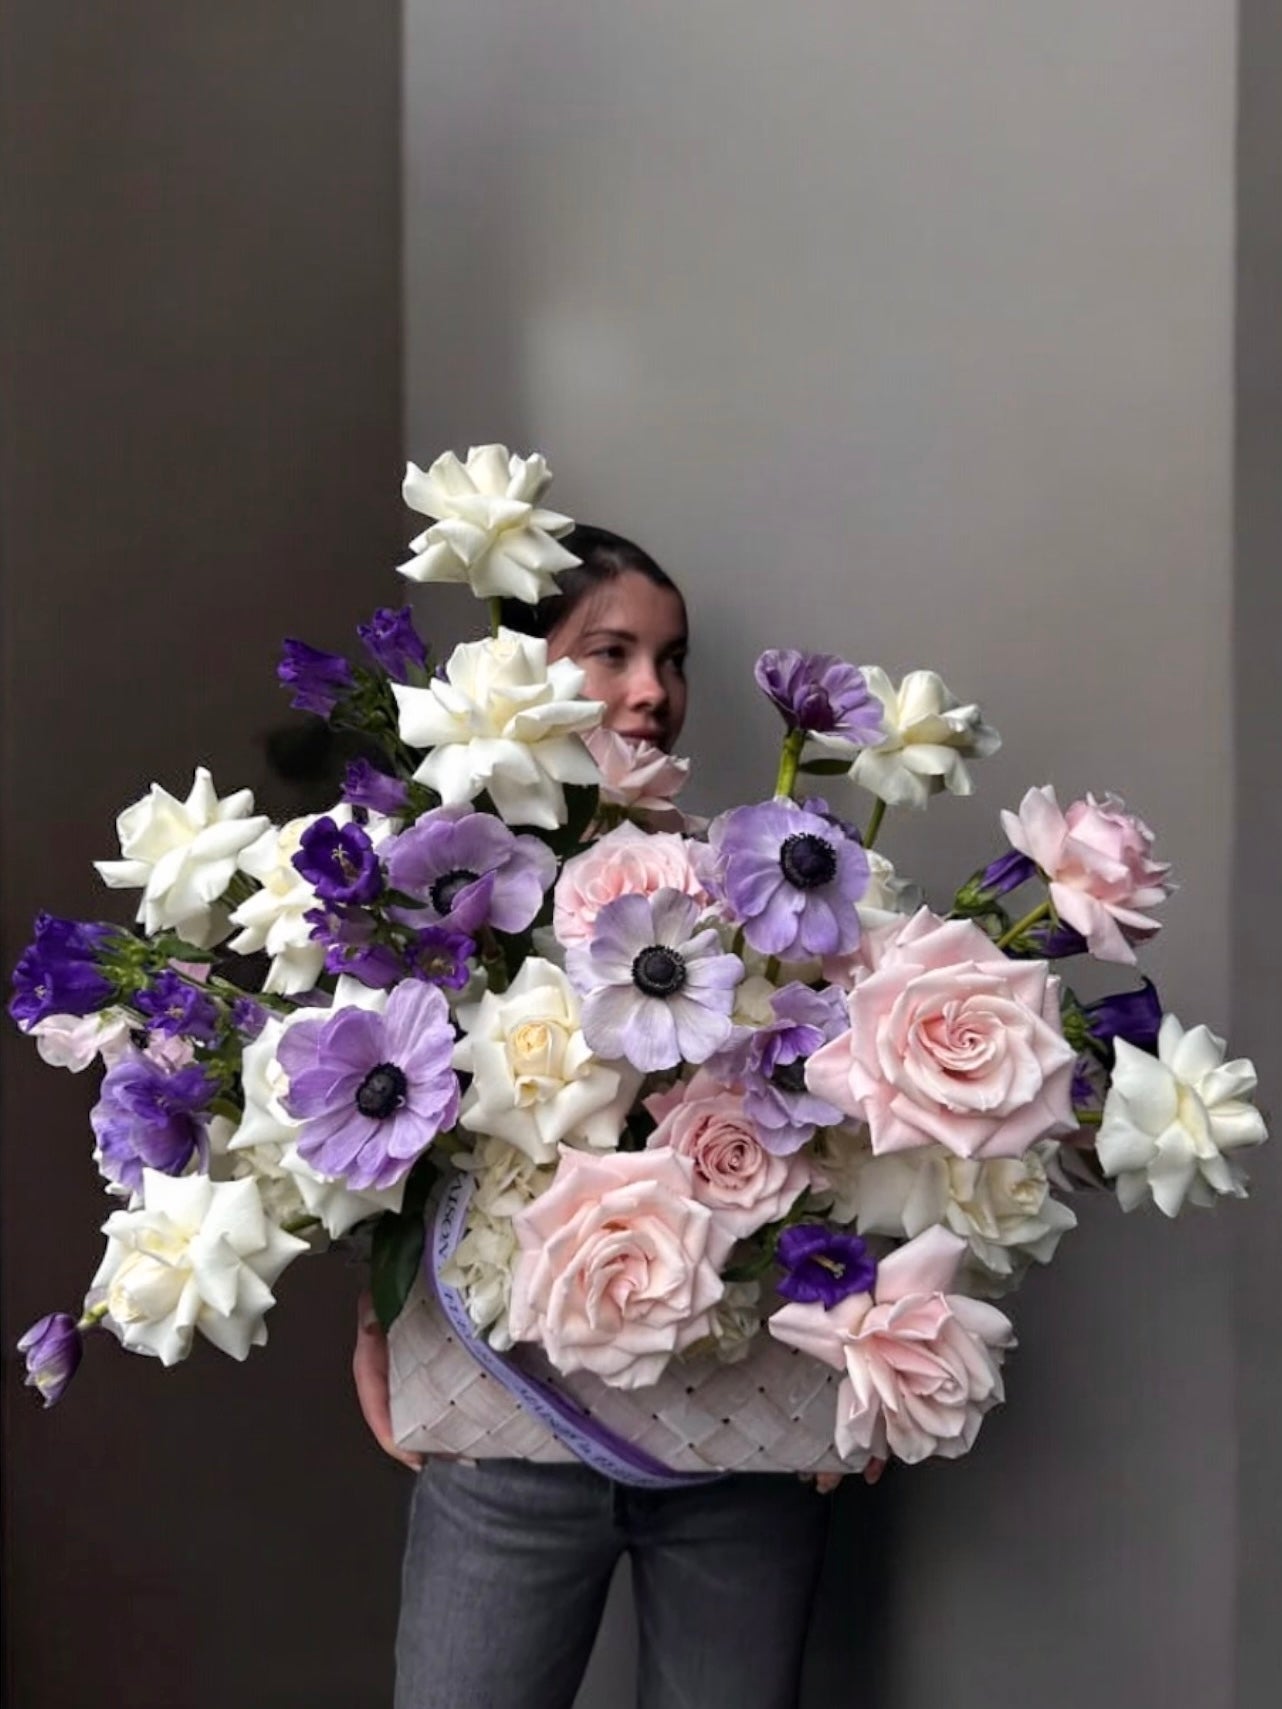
[629,861]
[617,1265]
[638,775]
[741,1183]
[1099,861]
[950,1043]
[922,1365]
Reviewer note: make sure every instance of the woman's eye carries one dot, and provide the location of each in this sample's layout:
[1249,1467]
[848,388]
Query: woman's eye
[614,653]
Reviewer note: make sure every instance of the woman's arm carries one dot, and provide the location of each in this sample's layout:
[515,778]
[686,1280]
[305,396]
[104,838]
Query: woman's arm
[369,1368]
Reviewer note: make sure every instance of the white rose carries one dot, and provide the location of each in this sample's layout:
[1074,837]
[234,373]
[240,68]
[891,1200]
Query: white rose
[182,855]
[490,530]
[535,1082]
[269,1135]
[929,736]
[196,1255]
[1169,1119]
[887,896]
[506,721]
[260,1164]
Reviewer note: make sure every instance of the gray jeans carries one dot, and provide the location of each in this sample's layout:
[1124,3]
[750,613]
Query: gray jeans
[507,1565]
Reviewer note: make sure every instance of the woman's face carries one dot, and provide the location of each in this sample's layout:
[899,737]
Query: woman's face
[630,639]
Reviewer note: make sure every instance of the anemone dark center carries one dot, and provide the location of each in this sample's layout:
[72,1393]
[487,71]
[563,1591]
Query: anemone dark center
[658,971]
[807,861]
[445,892]
[790,1076]
[382,1091]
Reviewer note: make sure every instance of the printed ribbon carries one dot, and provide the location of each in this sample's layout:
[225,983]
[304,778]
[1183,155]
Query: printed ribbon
[593,1442]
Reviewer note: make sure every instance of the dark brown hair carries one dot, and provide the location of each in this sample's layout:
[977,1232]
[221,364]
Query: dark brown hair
[604,557]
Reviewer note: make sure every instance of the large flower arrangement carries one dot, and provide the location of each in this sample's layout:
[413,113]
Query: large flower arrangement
[704,1086]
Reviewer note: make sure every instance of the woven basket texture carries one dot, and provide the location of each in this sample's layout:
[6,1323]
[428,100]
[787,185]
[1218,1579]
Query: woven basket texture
[773,1411]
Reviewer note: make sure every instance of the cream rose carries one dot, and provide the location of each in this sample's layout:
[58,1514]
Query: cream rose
[639,776]
[629,861]
[535,1082]
[618,1266]
[742,1184]
[929,737]
[950,1043]
[922,1365]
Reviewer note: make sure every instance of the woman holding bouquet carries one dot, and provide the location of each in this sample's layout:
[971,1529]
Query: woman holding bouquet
[508,1562]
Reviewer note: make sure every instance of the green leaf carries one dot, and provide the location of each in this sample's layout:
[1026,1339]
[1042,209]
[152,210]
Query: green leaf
[396,1250]
[826,768]
[580,807]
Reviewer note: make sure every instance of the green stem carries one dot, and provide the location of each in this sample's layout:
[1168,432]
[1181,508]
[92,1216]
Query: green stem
[299,1224]
[874,823]
[1030,919]
[94,1316]
[789,760]
[1088,1118]
[496,616]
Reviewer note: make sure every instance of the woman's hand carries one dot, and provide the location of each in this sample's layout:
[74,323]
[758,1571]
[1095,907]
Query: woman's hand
[826,1482]
[369,1369]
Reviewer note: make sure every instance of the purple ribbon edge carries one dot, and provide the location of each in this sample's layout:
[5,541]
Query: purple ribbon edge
[592,1442]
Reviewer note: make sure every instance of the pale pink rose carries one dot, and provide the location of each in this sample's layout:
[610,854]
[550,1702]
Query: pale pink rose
[741,1183]
[74,1041]
[950,1043]
[1098,858]
[617,1265]
[637,774]
[629,861]
[922,1365]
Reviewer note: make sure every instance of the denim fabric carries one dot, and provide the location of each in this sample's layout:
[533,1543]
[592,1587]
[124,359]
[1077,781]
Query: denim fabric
[507,1565]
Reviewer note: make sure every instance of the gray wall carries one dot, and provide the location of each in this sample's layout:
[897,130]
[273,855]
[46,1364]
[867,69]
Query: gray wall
[200,351]
[1257,939]
[908,330]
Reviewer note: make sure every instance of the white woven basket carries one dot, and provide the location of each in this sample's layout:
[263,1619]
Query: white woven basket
[774,1411]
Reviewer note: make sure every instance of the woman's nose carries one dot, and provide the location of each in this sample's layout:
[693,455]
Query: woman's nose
[646,687]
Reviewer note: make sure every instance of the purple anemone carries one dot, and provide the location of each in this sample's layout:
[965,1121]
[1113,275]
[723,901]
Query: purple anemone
[821,695]
[657,992]
[372,1090]
[469,870]
[822,1264]
[790,877]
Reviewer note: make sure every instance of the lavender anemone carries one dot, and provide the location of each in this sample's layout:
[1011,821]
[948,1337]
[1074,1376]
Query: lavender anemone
[822,1265]
[790,877]
[372,1090]
[821,695]
[150,1117]
[468,870]
[658,992]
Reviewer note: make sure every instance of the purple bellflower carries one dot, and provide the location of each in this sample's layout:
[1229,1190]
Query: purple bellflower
[339,862]
[248,1017]
[769,1063]
[1134,1016]
[822,1265]
[790,877]
[364,785]
[317,680]
[820,694]
[372,1090]
[149,1117]
[657,992]
[173,1007]
[441,957]
[60,972]
[393,643]
[469,870]
[52,1347]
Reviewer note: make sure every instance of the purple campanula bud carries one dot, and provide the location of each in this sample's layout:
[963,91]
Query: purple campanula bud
[53,1349]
